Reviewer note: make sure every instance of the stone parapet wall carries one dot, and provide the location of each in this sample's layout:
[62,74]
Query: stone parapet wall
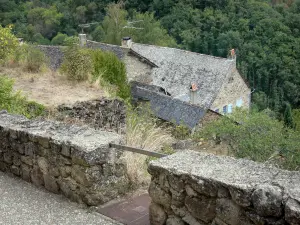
[200,189]
[74,161]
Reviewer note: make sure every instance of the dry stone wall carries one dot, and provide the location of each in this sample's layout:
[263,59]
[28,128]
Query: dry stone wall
[200,189]
[74,161]
[107,114]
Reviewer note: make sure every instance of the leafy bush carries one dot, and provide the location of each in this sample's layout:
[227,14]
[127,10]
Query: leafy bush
[77,64]
[104,67]
[15,102]
[257,137]
[110,69]
[34,59]
[181,131]
[8,43]
[59,39]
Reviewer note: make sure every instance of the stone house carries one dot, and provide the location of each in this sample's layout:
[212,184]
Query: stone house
[220,87]
[182,86]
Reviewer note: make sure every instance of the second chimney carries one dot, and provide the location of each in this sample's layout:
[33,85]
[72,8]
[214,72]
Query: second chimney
[126,42]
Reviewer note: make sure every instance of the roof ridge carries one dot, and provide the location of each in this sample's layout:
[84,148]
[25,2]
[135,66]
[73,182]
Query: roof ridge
[96,42]
[183,50]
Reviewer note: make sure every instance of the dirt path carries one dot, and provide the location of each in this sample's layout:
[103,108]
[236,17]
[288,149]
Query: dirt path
[52,89]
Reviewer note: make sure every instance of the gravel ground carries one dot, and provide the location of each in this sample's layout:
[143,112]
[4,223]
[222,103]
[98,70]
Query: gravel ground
[23,203]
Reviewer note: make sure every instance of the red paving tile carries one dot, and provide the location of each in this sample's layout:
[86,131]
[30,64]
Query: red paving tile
[131,211]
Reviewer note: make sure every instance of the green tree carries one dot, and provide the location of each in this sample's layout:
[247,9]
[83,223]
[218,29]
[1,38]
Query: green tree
[45,21]
[114,22]
[288,117]
[8,43]
[59,39]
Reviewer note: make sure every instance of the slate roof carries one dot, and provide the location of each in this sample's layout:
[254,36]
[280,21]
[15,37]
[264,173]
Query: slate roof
[177,69]
[117,50]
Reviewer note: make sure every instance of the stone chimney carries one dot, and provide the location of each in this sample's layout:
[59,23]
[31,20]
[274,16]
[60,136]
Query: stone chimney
[82,40]
[193,93]
[126,42]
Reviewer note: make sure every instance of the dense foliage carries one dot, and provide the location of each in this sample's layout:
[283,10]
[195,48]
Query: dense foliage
[258,137]
[8,43]
[14,102]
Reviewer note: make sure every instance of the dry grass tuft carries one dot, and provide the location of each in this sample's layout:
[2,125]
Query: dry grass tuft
[142,132]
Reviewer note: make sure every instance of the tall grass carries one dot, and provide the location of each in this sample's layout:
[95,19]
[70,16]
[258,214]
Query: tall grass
[142,132]
[14,102]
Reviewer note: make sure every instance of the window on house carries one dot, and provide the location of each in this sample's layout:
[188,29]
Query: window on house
[225,109]
[229,109]
[239,103]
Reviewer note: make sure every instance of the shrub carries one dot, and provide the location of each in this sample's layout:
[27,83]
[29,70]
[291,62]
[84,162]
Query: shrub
[181,131]
[8,43]
[110,69]
[59,39]
[77,63]
[34,59]
[257,137]
[14,102]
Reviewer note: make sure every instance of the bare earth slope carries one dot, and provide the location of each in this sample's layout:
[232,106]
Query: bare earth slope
[52,89]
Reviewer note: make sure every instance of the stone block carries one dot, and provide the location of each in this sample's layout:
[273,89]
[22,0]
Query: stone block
[267,200]
[228,211]
[51,183]
[15,170]
[3,166]
[241,195]
[159,196]
[43,141]
[189,219]
[43,164]
[223,192]
[204,187]
[173,220]
[190,191]
[79,174]
[54,171]
[65,171]
[30,149]
[27,160]
[25,172]
[64,161]
[66,150]
[16,159]
[292,212]
[37,176]
[68,188]
[157,214]
[202,207]
[55,147]
[177,197]
[176,183]
[8,157]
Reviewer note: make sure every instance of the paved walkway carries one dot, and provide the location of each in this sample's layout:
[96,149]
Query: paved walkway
[23,203]
[132,210]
